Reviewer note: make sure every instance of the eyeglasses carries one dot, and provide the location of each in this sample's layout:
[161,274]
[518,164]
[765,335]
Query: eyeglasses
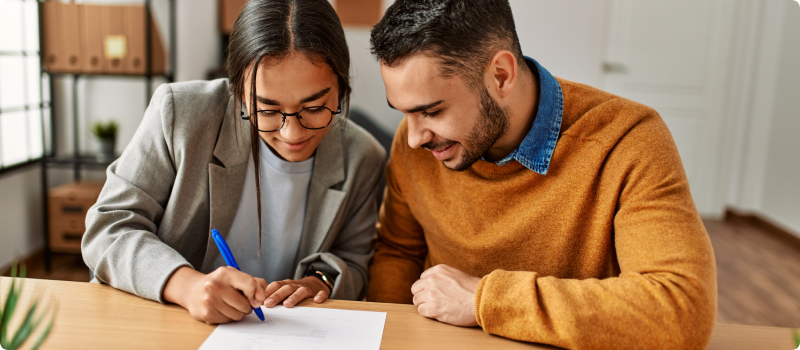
[313,118]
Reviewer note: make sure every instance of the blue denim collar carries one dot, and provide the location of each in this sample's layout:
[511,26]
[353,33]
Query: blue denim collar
[536,149]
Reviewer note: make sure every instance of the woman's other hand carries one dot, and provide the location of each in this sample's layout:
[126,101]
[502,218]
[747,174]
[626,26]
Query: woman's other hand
[222,296]
[291,292]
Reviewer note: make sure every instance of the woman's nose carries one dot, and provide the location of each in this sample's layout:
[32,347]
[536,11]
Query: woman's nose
[292,130]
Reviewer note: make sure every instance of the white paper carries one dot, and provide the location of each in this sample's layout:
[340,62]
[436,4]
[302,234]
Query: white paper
[301,328]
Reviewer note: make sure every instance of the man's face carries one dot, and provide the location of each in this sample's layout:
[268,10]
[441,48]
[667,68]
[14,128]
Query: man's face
[444,115]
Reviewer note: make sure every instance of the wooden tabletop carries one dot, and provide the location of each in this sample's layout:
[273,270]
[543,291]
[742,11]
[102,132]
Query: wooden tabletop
[93,316]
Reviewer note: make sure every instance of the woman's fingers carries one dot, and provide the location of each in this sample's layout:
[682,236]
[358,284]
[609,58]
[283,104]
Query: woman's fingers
[231,312]
[279,295]
[245,283]
[321,296]
[298,296]
[235,299]
[273,287]
[261,292]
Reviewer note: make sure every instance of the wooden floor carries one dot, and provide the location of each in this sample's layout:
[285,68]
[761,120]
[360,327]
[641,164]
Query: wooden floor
[759,275]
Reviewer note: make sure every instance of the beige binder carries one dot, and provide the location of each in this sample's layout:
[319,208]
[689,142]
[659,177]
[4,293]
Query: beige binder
[158,51]
[70,36]
[134,31]
[115,47]
[53,54]
[134,25]
[91,39]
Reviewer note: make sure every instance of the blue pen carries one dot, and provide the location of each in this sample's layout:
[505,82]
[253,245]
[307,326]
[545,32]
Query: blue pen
[228,256]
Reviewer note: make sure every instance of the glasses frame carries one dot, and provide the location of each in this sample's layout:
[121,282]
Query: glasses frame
[297,115]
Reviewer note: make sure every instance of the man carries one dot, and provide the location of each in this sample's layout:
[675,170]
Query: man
[539,209]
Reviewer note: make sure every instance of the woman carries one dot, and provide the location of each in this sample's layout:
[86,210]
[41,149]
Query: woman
[214,154]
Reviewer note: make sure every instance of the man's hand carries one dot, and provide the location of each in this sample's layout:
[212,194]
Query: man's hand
[291,292]
[446,294]
[222,296]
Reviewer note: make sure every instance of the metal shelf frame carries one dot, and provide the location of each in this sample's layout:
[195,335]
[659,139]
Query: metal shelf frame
[79,161]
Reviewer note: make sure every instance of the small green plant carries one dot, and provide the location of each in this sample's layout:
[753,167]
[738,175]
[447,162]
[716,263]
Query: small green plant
[30,323]
[796,336]
[105,131]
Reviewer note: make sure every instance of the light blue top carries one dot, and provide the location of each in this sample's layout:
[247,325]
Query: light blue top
[284,189]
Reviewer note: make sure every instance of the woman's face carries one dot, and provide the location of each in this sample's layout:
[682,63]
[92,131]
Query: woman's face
[288,86]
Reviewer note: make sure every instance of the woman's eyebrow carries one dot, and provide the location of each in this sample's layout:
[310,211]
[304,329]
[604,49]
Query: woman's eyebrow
[313,97]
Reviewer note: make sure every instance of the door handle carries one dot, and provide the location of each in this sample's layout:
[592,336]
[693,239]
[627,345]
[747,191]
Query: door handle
[614,68]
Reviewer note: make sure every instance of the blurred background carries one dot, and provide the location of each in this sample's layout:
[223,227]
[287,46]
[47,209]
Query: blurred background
[76,77]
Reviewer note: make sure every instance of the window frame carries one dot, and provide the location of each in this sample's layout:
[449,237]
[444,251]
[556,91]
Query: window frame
[28,107]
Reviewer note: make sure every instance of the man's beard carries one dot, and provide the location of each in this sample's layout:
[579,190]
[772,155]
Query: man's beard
[492,124]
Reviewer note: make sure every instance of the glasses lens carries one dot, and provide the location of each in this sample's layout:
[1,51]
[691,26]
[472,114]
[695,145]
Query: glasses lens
[269,120]
[315,117]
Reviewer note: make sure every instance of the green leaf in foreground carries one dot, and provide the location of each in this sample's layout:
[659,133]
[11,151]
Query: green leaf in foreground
[30,323]
[796,336]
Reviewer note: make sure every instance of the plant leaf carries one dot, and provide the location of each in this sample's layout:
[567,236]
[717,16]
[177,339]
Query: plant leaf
[11,301]
[47,330]
[25,330]
[796,337]
[22,270]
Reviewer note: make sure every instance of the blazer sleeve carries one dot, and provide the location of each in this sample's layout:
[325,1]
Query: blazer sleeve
[120,245]
[349,255]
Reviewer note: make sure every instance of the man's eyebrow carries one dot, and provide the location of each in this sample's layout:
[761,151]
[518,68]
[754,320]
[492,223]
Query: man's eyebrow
[313,97]
[419,108]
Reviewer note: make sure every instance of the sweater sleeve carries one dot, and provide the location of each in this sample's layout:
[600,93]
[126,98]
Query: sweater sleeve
[665,293]
[400,249]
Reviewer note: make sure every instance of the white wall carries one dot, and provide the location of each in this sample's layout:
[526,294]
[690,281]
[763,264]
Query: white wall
[781,191]
[764,172]
[20,214]
[566,37]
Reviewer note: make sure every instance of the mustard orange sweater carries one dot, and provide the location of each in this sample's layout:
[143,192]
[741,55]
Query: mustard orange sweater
[606,251]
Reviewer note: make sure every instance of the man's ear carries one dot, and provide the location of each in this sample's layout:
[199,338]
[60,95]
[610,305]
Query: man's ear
[503,73]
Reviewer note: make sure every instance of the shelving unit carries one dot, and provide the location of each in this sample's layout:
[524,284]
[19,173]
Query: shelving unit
[79,160]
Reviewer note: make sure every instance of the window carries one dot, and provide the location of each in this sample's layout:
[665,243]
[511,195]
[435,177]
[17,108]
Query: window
[23,103]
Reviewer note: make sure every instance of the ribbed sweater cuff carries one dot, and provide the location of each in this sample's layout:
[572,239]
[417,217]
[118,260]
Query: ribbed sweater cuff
[478,300]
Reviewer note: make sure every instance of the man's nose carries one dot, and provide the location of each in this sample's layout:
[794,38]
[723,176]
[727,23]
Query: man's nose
[418,135]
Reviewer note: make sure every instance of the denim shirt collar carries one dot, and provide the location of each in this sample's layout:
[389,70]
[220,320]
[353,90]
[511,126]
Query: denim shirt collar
[536,149]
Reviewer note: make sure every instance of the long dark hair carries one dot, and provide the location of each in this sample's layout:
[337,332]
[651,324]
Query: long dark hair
[273,30]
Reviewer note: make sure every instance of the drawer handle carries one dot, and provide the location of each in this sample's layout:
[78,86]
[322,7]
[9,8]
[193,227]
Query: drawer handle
[72,236]
[71,209]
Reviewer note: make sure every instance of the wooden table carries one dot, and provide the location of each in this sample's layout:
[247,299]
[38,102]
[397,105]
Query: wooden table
[93,316]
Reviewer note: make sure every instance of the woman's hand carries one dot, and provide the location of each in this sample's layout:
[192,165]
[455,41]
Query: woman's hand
[291,292]
[222,296]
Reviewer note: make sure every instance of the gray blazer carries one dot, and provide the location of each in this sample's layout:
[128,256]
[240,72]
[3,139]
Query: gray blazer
[183,173]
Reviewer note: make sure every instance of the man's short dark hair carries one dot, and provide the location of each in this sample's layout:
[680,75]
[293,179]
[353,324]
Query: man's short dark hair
[463,34]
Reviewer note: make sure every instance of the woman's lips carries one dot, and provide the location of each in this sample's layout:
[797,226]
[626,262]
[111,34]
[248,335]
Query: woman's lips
[445,153]
[295,146]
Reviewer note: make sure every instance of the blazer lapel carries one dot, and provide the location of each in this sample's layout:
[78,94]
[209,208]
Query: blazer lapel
[323,203]
[226,180]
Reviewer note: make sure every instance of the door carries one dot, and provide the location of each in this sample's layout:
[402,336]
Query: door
[674,56]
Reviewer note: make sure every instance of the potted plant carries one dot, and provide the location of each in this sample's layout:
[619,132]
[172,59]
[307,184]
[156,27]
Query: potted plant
[31,321]
[106,134]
